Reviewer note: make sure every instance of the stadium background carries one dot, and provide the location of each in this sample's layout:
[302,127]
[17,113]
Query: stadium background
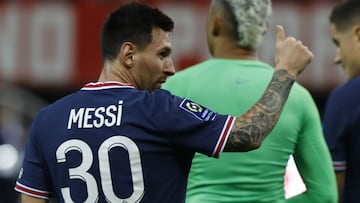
[50,48]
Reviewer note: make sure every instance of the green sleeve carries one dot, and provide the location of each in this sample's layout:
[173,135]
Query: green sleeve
[313,159]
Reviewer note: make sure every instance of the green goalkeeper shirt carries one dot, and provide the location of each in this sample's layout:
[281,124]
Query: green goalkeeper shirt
[232,87]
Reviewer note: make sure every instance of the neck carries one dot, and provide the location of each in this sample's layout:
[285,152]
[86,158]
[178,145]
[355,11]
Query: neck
[239,54]
[111,71]
[230,50]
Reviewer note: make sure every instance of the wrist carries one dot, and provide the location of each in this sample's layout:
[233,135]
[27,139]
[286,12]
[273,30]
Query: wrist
[286,72]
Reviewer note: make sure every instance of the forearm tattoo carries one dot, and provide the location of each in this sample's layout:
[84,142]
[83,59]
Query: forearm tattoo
[252,128]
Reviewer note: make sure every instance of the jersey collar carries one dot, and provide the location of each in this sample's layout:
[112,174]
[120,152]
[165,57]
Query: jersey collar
[106,85]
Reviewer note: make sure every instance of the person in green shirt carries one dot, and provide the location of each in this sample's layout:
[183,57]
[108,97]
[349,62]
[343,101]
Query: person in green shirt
[234,32]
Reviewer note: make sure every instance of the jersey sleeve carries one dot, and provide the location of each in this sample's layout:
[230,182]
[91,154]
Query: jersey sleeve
[335,131]
[192,126]
[33,178]
[312,157]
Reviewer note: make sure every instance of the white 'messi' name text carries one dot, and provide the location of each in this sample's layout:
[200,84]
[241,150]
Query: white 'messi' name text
[96,117]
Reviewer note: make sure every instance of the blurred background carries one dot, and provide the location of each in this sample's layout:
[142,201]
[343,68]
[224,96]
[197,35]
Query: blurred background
[50,48]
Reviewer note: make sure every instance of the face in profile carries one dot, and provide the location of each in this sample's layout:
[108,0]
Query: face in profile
[153,63]
[348,50]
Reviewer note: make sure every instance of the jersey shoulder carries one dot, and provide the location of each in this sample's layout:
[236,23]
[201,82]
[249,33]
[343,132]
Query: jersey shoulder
[346,92]
[300,95]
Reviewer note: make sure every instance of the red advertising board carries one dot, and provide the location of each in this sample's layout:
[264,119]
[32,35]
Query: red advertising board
[56,43]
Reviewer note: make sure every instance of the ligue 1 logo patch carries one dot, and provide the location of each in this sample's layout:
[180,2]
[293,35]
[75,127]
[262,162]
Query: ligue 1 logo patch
[197,110]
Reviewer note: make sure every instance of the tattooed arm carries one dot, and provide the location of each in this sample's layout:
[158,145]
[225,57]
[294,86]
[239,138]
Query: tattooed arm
[250,130]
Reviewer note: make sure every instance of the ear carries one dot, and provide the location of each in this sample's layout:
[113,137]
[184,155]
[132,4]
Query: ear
[355,31]
[127,54]
[216,26]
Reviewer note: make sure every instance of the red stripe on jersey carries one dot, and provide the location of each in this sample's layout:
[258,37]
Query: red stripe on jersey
[224,136]
[32,192]
[339,165]
[106,84]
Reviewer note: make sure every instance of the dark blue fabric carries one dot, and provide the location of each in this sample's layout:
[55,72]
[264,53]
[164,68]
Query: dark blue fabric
[165,135]
[342,132]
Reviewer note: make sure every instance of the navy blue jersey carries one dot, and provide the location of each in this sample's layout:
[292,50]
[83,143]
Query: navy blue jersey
[110,142]
[342,132]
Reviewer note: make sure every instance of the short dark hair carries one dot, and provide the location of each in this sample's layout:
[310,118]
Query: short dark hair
[345,14]
[247,20]
[230,18]
[134,23]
